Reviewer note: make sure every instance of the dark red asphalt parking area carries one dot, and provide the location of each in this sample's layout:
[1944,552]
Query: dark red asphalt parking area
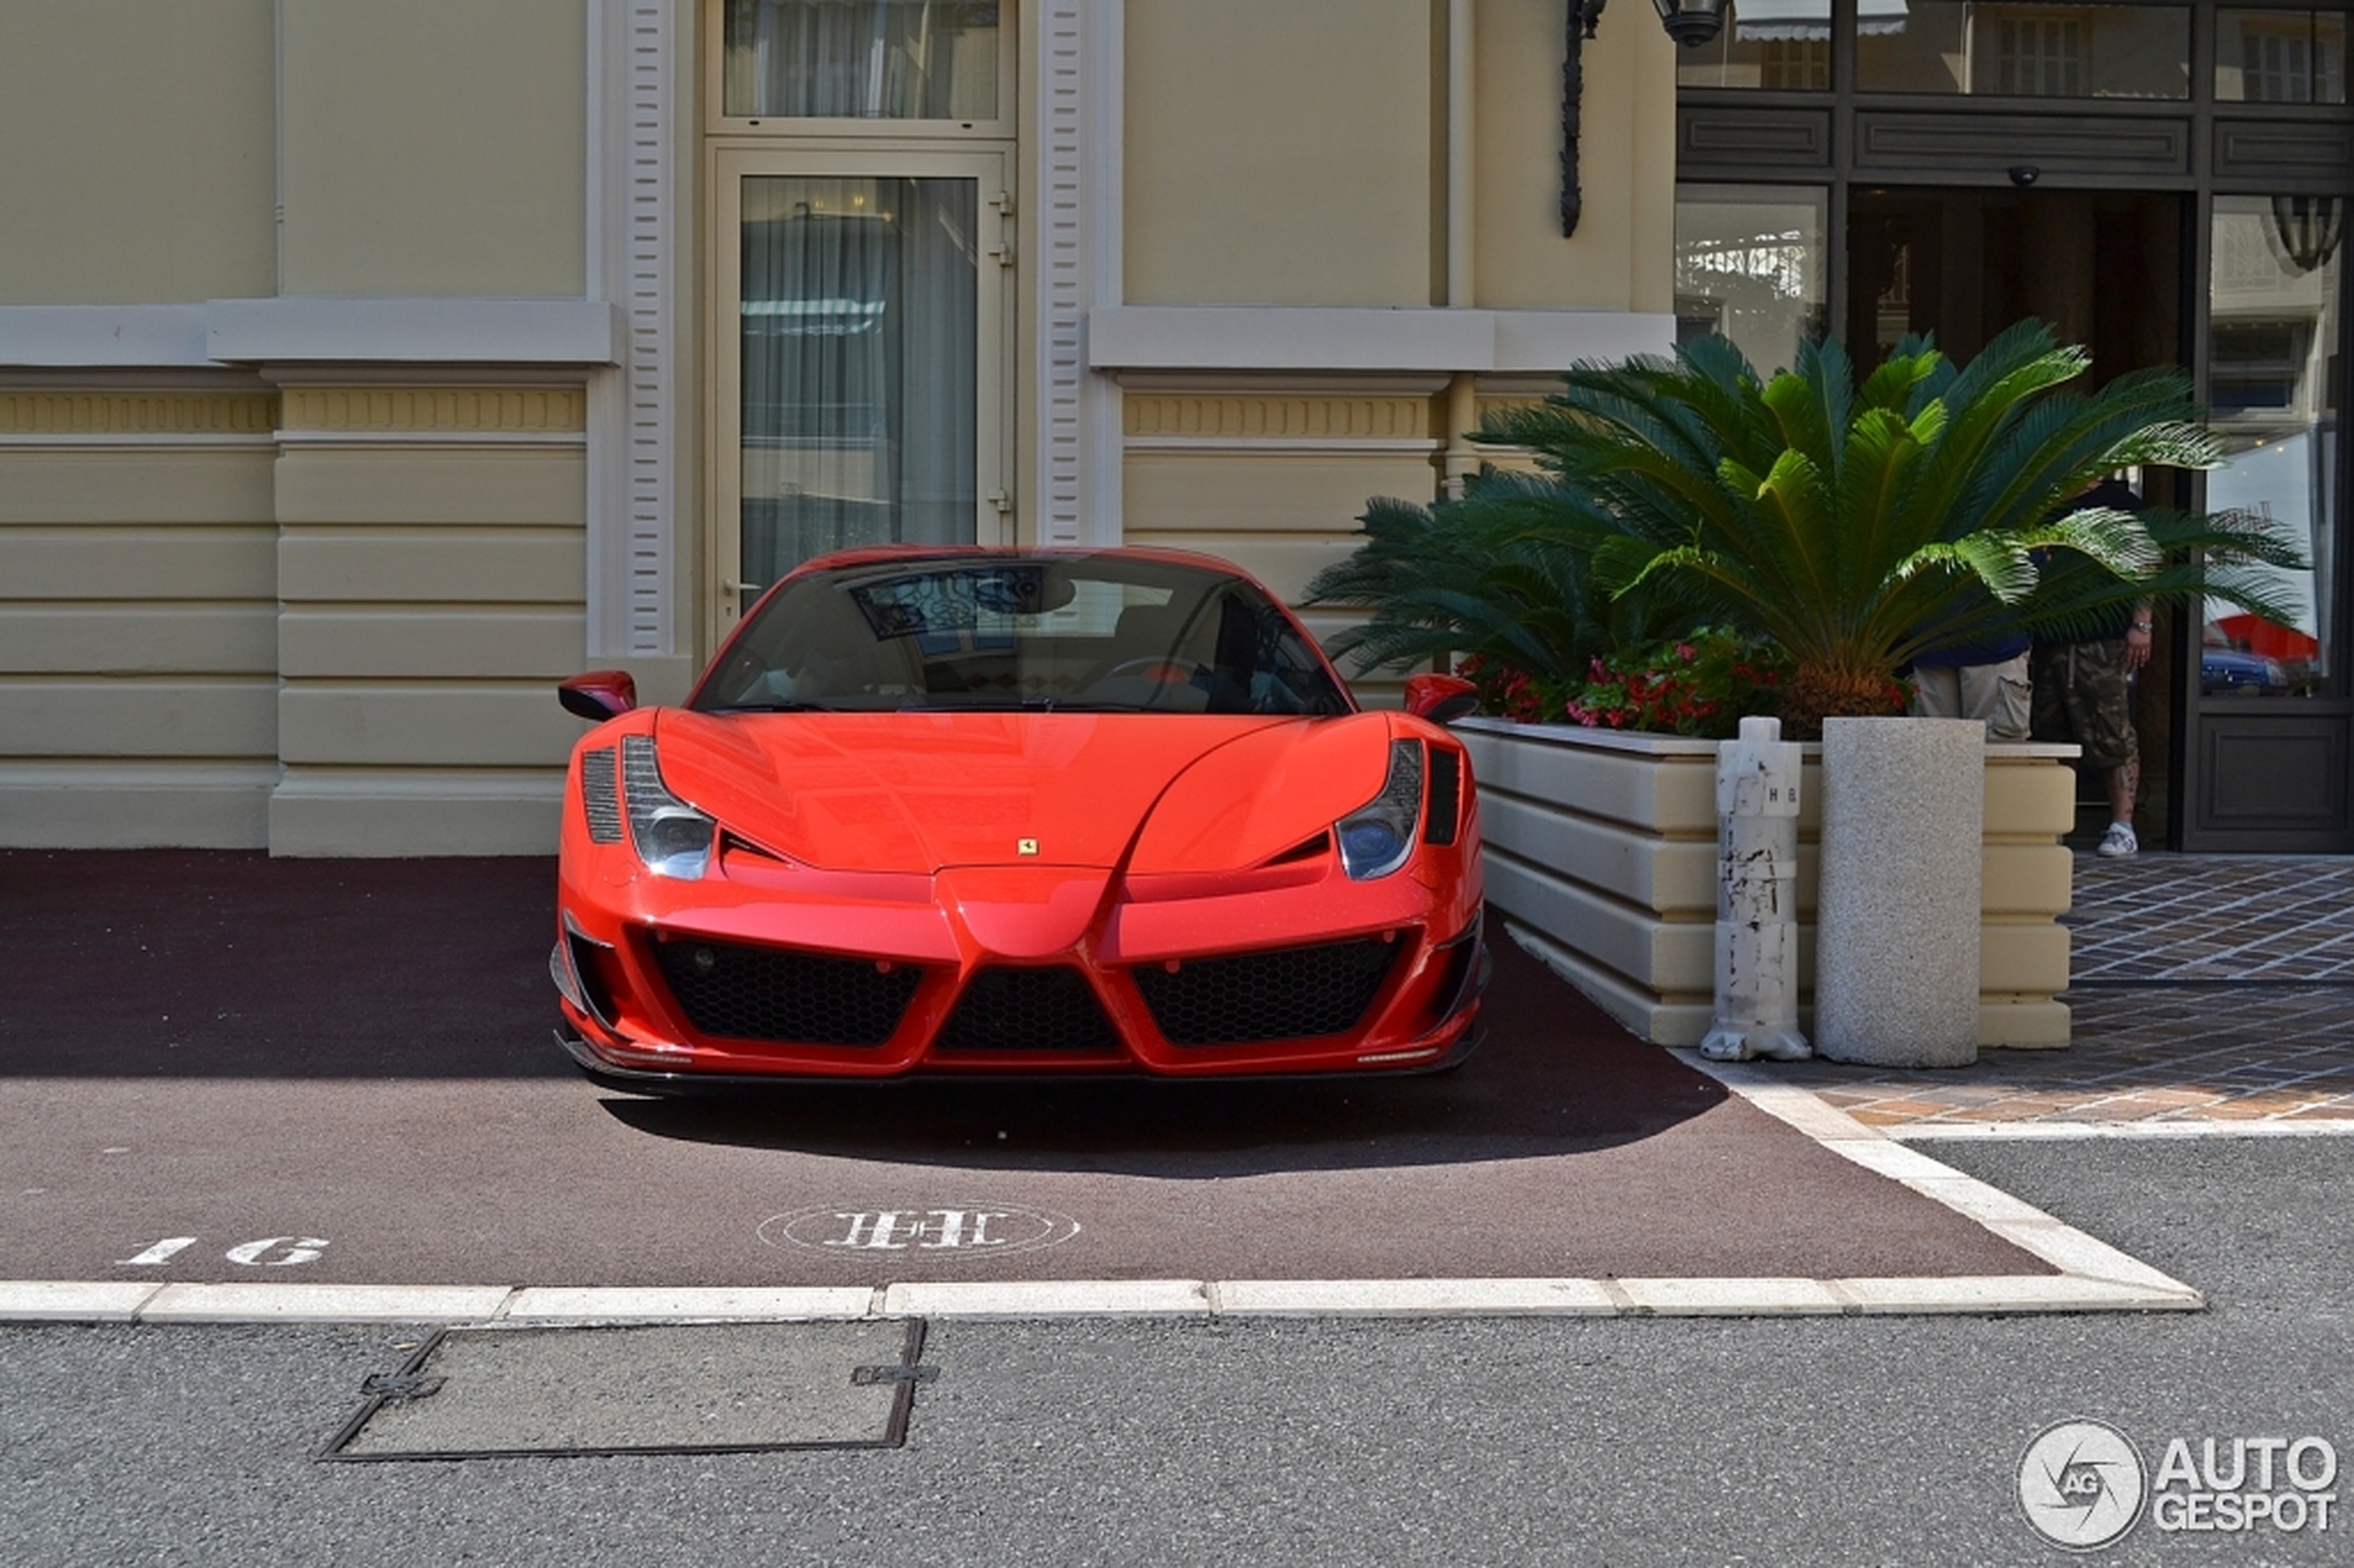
[353,1059]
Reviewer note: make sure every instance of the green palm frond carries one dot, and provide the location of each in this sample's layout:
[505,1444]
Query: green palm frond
[1857,526]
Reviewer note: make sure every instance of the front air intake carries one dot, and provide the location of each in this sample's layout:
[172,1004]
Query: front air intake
[735,990]
[1051,1010]
[600,796]
[1446,807]
[1282,994]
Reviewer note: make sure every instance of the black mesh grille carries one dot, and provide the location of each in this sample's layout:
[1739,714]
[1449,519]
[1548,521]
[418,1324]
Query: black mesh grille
[733,991]
[1049,1010]
[599,800]
[1287,993]
[1446,796]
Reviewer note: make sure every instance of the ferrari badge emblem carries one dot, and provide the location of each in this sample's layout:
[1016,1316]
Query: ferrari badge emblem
[1026,846]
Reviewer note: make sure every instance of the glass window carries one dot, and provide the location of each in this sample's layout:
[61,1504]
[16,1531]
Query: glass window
[859,373]
[2280,56]
[2026,50]
[858,59]
[2271,356]
[1750,264]
[1774,44]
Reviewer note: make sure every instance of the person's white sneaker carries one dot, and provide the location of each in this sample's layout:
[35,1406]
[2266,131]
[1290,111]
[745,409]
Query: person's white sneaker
[2120,842]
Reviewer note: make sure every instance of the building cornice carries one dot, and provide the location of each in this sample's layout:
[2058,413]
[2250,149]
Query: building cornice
[312,330]
[1220,337]
[295,330]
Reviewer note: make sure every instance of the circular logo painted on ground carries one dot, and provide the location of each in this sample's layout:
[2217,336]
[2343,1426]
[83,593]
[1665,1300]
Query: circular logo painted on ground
[2080,1484]
[937,1231]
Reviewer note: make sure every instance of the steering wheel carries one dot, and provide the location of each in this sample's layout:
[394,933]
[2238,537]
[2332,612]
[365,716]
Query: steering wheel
[1162,669]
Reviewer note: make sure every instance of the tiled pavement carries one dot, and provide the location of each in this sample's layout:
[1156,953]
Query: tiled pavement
[2208,991]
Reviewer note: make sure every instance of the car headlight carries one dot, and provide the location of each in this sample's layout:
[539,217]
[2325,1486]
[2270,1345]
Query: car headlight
[672,837]
[1377,837]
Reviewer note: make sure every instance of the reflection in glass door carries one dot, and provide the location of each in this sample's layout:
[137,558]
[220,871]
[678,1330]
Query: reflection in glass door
[858,377]
[1750,264]
[2271,337]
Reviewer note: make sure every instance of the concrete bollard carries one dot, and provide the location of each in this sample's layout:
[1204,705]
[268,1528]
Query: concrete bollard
[1756,1015]
[1896,923]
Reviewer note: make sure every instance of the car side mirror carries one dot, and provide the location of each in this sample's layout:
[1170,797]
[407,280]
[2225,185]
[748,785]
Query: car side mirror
[599,695]
[1441,698]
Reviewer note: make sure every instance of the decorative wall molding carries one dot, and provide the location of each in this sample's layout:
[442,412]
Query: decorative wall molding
[1739,141]
[1985,146]
[132,413]
[1080,65]
[633,251]
[486,409]
[652,374]
[1215,417]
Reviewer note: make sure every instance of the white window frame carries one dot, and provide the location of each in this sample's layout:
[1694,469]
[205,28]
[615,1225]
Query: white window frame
[991,171]
[865,129]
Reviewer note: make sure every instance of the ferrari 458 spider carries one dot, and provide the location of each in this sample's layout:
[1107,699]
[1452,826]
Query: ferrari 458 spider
[958,811]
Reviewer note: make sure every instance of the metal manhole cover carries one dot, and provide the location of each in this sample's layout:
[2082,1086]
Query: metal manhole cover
[702,1388]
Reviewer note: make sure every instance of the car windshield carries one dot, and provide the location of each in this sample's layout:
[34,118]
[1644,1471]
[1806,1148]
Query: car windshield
[1094,633]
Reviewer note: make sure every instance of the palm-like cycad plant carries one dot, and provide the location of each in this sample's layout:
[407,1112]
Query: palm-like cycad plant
[1860,528]
[1505,575]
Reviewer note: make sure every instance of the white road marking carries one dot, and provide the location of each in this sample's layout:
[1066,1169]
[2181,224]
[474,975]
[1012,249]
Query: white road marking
[2086,1262]
[2028,1132]
[256,1254]
[253,1254]
[967,1227]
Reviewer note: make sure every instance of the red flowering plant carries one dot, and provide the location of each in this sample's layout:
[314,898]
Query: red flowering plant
[1703,685]
[1509,692]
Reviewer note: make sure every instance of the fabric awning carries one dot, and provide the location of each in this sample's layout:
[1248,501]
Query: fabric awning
[1756,20]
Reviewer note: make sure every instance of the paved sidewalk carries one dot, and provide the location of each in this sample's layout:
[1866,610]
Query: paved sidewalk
[2209,992]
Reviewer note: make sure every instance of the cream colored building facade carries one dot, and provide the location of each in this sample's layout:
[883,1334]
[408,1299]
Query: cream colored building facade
[366,368]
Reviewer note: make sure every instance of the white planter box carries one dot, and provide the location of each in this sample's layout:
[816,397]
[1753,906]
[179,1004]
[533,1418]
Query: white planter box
[1602,845]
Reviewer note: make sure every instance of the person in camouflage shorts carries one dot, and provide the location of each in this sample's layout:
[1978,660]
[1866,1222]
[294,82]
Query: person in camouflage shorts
[2084,694]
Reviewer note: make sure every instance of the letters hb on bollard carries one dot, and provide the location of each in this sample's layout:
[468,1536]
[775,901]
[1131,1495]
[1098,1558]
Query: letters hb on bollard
[1756,1015]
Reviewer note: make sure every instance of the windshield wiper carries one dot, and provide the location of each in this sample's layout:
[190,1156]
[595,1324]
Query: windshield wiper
[775,707]
[1030,705]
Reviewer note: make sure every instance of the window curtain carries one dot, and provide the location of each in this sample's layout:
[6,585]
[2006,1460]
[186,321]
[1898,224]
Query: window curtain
[905,59]
[859,366]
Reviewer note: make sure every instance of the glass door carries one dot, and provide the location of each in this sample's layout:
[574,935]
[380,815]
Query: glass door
[860,357]
[2273,718]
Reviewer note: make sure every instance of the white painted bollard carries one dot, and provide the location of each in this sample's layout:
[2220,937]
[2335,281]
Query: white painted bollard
[1896,925]
[1757,780]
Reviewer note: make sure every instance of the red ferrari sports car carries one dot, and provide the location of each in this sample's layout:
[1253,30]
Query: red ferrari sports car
[964,810]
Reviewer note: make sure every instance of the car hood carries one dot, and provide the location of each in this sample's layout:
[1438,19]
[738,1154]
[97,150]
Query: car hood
[921,792]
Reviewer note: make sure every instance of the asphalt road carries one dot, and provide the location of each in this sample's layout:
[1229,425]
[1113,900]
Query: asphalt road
[1622,1441]
[225,1066]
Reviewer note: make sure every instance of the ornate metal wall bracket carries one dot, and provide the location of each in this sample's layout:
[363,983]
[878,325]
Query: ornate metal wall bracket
[1583,15]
